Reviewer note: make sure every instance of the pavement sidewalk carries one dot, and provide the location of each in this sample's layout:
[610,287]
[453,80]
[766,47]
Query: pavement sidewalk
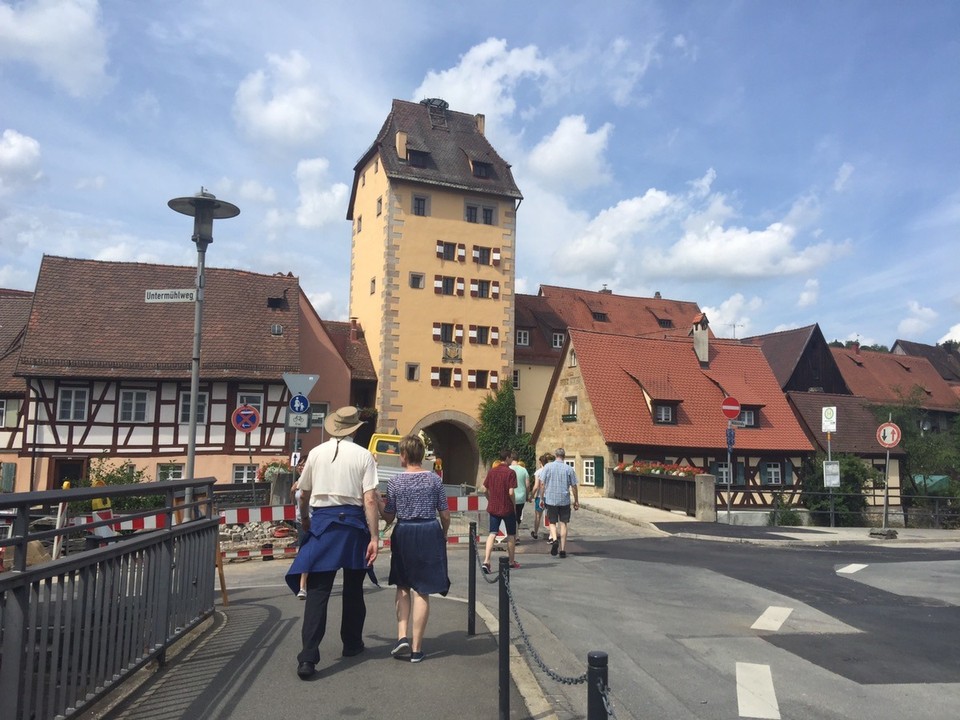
[680,525]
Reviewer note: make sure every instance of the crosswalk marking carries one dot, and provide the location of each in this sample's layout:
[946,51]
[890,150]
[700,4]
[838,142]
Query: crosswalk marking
[773,617]
[850,569]
[756,697]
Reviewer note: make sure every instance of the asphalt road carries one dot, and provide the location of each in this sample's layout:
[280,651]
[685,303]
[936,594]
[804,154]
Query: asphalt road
[700,629]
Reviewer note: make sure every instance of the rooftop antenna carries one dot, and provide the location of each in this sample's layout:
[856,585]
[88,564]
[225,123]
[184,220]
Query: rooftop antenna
[734,326]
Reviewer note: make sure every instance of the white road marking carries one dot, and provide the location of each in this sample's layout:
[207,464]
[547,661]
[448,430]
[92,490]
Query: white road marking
[852,568]
[756,697]
[773,617]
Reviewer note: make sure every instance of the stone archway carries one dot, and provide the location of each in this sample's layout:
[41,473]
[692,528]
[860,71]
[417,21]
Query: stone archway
[453,435]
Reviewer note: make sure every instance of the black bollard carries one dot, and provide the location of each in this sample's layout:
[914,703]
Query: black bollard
[472,582]
[504,676]
[596,684]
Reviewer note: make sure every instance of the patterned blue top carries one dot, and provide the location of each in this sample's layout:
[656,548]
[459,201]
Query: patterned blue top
[557,478]
[415,495]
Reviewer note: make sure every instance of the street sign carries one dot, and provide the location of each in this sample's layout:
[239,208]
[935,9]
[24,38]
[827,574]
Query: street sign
[730,407]
[731,437]
[299,384]
[246,418]
[828,420]
[297,421]
[888,435]
[165,296]
[831,473]
[299,404]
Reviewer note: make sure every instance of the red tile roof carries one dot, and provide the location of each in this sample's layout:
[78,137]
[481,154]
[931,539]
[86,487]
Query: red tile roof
[617,368]
[14,311]
[89,319]
[354,351]
[890,379]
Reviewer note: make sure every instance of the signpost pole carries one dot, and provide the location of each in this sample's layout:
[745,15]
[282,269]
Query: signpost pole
[829,458]
[729,483]
[886,483]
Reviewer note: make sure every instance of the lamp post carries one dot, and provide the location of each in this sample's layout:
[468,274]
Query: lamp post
[204,208]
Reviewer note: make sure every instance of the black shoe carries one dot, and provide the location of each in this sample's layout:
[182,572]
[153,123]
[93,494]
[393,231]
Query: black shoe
[554,547]
[416,657]
[402,647]
[563,553]
[533,534]
[350,652]
[485,568]
[305,670]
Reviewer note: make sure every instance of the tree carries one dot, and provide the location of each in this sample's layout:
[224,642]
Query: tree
[848,500]
[498,428]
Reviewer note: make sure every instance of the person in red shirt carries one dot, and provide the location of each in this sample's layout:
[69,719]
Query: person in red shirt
[499,486]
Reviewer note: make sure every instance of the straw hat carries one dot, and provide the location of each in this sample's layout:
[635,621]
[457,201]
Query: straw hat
[345,421]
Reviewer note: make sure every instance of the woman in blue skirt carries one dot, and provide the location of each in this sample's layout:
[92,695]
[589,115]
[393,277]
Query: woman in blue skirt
[418,546]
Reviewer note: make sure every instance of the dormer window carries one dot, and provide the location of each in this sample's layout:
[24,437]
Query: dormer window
[665,323]
[417,158]
[600,317]
[664,414]
[482,169]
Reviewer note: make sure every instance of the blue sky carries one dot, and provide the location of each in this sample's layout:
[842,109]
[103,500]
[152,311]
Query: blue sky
[780,163]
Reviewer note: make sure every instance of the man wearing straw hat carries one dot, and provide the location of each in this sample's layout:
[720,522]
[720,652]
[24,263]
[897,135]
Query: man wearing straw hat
[340,517]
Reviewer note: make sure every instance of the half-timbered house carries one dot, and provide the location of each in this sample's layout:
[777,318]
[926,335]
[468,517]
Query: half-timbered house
[14,310]
[105,367]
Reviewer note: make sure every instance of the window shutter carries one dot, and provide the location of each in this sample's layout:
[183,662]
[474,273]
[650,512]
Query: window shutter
[473,334]
[435,376]
[598,471]
[440,249]
[495,289]
[476,253]
[458,334]
[436,331]
[494,379]
[741,473]
[460,284]
[474,288]
[461,252]
[471,378]
[496,256]
[494,336]
[438,284]
[457,377]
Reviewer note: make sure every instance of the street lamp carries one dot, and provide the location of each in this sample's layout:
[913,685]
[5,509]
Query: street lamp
[204,208]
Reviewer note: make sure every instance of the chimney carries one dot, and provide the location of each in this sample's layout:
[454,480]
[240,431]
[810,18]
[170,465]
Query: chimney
[401,144]
[481,123]
[856,347]
[701,338]
[656,295]
[353,330]
[605,290]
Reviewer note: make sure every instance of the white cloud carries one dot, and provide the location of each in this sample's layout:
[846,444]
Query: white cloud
[281,104]
[843,177]
[319,202]
[810,293]
[19,161]
[485,79]
[621,71]
[63,39]
[952,334]
[920,320]
[325,305]
[700,188]
[730,319]
[91,183]
[571,158]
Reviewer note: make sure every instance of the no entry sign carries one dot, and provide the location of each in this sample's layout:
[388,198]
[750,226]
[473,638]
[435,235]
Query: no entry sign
[730,407]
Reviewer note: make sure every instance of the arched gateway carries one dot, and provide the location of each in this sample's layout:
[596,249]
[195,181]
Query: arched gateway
[453,435]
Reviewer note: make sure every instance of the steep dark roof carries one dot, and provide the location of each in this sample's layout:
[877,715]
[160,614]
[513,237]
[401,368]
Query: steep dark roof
[449,140]
[353,351]
[783,350]
[856,423]
[90,319]
[946,362]
[14,312]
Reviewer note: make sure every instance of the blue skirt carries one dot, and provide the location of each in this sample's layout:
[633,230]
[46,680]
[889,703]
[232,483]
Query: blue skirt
[418,557]
[338,538]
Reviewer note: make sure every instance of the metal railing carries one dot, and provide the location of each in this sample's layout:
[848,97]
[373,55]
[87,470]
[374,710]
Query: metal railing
[73,628]
[668,492]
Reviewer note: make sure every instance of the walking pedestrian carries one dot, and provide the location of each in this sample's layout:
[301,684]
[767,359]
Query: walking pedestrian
[537,492]
[339,512]
[500,486]
[559,480]
[523,486]
[296,493]
[418,546]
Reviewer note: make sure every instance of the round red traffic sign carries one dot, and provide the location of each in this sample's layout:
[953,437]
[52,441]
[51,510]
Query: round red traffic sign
[246,418]
[888,435]
[730,407]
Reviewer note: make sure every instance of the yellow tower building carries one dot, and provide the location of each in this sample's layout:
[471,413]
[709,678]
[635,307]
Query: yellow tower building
[432,269]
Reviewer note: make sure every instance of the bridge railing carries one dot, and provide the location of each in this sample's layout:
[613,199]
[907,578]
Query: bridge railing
[74,627]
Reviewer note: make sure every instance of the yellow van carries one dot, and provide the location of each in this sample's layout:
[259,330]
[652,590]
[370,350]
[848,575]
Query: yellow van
[386,451]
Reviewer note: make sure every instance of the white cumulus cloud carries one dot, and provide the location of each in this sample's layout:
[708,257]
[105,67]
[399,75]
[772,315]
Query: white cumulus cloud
[843,177]
[952,334]
[730,318]
[319,201]
[810,293]
[918,322]
[572,157]
[19,161]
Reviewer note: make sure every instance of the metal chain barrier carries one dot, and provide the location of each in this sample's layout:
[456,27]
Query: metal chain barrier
[607,702]
[491,577]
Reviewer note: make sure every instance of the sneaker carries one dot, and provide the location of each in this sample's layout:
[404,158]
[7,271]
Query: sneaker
[563,553]
[534,535]
[514,566]
[302,594]
[554,547]
[416,657]
[485,568]
[402,647]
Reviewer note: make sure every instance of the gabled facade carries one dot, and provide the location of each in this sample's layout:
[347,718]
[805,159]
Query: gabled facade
[801,360]
[542,322]
[14,312]
[432,269]
[105,370]
[616,398]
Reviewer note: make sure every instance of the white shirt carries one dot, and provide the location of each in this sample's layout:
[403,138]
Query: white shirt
[340,481]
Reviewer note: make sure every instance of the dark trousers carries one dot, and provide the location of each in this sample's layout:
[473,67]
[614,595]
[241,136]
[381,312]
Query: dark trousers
[319,585]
